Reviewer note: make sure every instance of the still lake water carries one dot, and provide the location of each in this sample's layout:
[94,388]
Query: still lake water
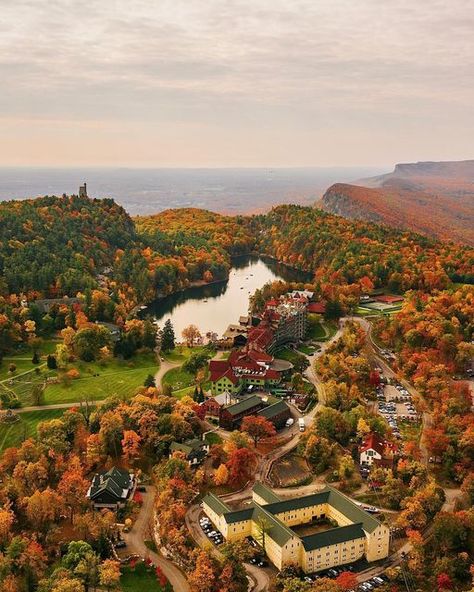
[213,307]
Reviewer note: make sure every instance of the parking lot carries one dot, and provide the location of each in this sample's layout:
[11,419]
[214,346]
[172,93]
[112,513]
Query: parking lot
[395,404]
[335,572]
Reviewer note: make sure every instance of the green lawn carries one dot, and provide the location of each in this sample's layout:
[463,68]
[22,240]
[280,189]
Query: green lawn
[315,330]
[141,578]
[97,381]
[178,378]
[14,434]
[181,353]
[306,349]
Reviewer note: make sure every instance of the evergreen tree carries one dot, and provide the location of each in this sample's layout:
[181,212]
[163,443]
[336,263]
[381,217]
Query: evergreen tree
[200,398]
[196,394]
[167,337]
[51,362]
[334,310]
[149,381]
[149,335]
[35,359]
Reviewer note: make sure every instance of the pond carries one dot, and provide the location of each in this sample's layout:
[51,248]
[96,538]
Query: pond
[214,306]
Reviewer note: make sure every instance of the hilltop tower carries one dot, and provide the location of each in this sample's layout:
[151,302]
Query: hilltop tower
[83,190]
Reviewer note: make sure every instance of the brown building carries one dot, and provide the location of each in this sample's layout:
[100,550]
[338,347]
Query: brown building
[277,413]
[231,416]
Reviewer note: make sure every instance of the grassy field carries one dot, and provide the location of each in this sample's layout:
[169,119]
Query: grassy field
[307,349]
[98,381]
[141,578]
[316,329]
[178,378]
[14,434]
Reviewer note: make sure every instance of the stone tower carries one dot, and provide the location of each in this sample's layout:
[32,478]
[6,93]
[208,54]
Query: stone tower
[83,190]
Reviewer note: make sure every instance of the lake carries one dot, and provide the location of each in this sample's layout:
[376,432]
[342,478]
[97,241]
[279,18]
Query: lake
[214,306]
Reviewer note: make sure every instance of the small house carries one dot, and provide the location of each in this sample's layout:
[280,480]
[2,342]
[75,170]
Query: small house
[195,450]
[376,450]
[111,489]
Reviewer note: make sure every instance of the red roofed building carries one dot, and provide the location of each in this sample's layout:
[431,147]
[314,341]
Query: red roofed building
[376,450]
[389,299]
[244,367]
[316,307]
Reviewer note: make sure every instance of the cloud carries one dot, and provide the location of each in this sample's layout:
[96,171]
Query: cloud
[326,67]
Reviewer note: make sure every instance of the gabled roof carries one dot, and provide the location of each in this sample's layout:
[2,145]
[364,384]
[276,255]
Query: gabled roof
[116,482]
[218,368]
[188,446]
[244,405]
[221,399]
[374,442]
[215,504]
[265,493]
[296,503]
[333,497]
[333,536]
[273,410]
[316,307]
[351,510]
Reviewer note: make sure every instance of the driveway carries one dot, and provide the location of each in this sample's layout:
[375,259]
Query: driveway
[141,532]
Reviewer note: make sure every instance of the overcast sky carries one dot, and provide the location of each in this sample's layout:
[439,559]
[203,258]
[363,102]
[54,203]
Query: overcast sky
[235,82]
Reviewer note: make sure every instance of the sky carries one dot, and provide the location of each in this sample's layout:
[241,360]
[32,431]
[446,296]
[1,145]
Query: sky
[216,83]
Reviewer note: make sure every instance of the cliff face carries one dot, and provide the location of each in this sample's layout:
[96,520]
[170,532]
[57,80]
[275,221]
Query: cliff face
[352,202]
[436,199]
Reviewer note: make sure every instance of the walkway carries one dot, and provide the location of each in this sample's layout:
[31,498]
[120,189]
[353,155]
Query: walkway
[141,532]
[165,365]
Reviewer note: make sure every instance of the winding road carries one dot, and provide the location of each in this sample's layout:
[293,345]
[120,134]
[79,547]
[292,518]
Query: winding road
[142,531]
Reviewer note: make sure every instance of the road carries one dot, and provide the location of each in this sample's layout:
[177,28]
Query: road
[142,531]
[165,365]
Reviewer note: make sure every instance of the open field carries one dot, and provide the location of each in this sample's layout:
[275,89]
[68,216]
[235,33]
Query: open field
[13,434]
[96,381]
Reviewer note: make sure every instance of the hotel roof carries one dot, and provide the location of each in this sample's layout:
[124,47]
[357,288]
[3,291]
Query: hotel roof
[333,536]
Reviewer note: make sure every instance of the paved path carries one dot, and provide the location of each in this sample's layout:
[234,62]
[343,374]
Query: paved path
[142,531]
[57,406]
[165,365]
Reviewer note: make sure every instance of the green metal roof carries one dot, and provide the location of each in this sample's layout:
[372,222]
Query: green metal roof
[275,528]
[244,405]
[187,446]
[351,510]
[265,493]
[216,504]
[333,497]
[296,503]
[239,515]
[274,409]
[333,536]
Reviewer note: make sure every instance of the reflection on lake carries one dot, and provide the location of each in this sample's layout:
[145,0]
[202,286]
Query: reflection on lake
[213,307]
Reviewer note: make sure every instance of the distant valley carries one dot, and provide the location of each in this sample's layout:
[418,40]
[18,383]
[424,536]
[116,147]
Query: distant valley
[433,198]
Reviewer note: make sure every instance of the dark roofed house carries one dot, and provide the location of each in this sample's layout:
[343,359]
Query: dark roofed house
[111,489]
[231,416]
[277,413]
[194,450]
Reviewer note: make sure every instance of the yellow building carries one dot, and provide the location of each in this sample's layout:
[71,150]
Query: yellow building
[283,528]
